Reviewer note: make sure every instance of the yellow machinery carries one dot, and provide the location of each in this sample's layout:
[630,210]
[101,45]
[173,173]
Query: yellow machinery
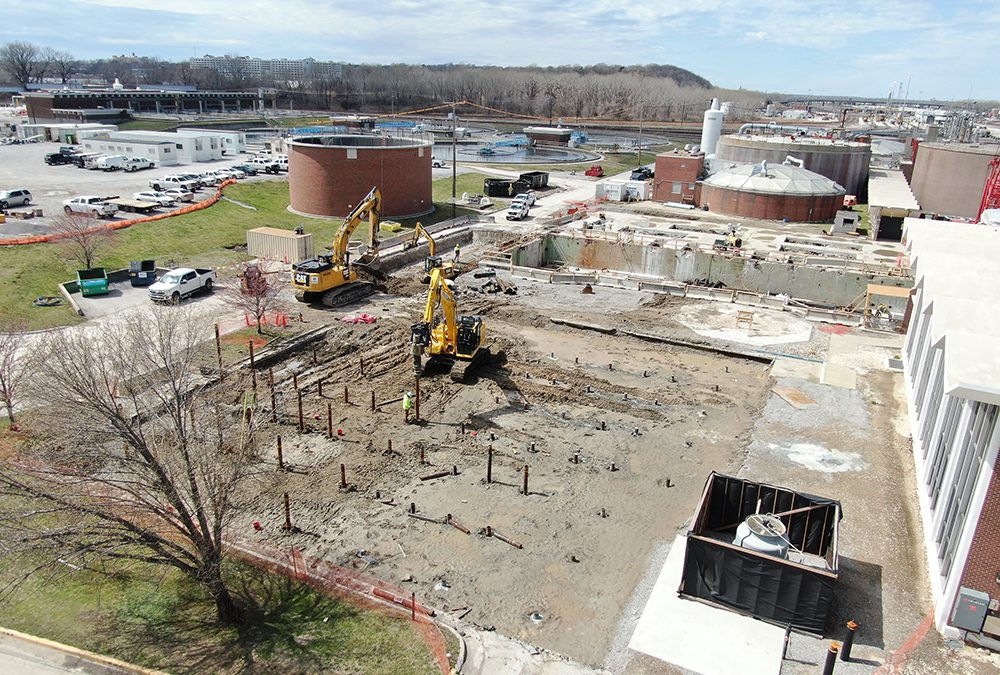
[333,279]
[450,269]
[456,340]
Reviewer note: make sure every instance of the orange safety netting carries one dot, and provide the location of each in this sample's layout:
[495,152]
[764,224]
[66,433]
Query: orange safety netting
[350,586]
[121,224]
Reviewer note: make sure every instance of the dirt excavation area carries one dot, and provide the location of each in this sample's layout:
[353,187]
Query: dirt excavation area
[618,435]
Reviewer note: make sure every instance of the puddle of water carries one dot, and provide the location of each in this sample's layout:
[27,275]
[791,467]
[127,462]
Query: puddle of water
[818,458]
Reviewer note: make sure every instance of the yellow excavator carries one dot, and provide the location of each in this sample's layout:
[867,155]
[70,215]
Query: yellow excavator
[333,279]
[450,269]
[457,340]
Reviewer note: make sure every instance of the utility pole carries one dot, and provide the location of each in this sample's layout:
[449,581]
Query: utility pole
[454,156]
[638,150]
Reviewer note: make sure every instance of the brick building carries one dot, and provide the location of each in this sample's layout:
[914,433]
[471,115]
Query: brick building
[952,377]
[327,175]
[676,177]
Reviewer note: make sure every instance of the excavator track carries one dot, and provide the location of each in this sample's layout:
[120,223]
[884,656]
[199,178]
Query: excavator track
[344,295]
[462,367]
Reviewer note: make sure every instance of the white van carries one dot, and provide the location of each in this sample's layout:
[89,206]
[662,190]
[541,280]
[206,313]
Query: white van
[111,162]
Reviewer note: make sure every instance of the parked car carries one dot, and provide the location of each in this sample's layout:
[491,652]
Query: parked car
[193,177]
[9,198]
[248,169]
[228,172]
[641,173]
[265,164]
[54,158]
[81,159]
[91,206]
[437,163]
[136,163]
[69,150]
[156,197]
[181,283]
[517,211]
[173,181]
[111,162]
[597,171]
[180,194]
[210,178]
[527,198]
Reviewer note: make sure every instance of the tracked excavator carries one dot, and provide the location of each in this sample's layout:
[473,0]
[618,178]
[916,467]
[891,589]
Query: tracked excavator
[457,341]
[333,279]
[450,269]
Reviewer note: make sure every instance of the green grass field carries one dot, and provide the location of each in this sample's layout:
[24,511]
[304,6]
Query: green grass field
[156,618]
[211,237]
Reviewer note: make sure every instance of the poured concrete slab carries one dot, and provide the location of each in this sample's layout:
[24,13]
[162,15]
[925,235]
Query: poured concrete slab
[700,638]
[718,321]
[839,376]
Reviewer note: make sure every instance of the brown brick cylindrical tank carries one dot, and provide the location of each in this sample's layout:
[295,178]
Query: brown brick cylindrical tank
[774,193]
[844,162]
[948,178]
[327,175]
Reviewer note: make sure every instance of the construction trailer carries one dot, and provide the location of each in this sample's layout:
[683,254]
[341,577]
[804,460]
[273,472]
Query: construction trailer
[272,243]
[764,550]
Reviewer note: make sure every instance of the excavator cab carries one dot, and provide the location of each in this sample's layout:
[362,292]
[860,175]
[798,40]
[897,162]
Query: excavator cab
[432,261]
[470,335]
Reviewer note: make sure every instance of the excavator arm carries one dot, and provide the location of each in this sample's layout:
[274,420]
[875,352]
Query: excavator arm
[418,232]
[370,206]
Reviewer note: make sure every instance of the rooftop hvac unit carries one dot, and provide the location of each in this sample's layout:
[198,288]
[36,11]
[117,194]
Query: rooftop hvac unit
[763,533]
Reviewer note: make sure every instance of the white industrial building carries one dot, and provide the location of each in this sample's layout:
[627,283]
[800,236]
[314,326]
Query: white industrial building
[189,149]
[67,133]
[951,360]
[163,153]
[233,142]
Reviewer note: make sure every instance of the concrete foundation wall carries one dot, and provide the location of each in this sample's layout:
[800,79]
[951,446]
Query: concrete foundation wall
[814,284]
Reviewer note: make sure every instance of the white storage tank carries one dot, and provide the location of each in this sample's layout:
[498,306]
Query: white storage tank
[712,128]
[763,533]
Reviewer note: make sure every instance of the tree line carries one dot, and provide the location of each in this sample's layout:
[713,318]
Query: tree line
[640,92]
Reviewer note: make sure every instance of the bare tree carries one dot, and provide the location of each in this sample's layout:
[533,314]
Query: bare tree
[255,294]
[61,64]
[13,367]
[21,60]
[134,458]
[81,237]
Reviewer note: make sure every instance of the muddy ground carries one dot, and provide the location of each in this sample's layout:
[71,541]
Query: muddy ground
[663,416]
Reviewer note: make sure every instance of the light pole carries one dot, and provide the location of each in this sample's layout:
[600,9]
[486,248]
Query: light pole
[454,156]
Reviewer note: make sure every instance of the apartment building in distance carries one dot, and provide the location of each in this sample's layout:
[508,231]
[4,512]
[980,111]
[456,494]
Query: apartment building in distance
[251,67]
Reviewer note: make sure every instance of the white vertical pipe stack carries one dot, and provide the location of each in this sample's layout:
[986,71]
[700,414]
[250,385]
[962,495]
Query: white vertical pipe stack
[712,128]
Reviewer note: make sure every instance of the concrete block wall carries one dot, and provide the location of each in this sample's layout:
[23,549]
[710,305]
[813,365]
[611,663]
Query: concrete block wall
[814,284]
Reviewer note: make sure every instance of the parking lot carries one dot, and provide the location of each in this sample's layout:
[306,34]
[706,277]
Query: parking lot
[23,166]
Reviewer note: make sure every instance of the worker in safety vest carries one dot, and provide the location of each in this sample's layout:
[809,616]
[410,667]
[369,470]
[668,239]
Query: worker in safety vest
[407,405]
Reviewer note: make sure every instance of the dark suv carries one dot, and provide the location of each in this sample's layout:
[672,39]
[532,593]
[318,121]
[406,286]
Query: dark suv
[58,158]
[642,173]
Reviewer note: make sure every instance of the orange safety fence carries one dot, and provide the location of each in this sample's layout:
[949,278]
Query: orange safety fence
[350,586]
[122,224]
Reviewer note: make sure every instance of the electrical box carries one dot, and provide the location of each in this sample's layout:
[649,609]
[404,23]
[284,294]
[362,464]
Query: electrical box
[970,609]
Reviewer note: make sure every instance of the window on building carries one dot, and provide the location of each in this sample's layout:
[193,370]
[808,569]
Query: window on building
[676,188]
[974,445]
[939,458]
[179,146]
[167,149]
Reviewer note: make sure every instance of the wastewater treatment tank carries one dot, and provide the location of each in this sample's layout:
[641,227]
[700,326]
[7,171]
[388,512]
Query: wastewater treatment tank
[763,533]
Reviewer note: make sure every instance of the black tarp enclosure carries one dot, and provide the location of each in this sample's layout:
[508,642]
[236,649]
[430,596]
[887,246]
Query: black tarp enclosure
[797,590]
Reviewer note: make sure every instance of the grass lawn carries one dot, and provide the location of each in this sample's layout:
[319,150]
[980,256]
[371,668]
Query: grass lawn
[211,237]
[147,125]
[154,617]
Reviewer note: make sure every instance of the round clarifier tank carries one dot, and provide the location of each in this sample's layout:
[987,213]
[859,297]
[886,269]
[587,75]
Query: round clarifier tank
[329,174]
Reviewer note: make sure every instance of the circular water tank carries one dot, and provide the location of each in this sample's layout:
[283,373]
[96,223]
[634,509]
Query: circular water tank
[763,533]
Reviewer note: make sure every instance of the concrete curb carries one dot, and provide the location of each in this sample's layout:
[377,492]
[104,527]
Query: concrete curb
[105,662]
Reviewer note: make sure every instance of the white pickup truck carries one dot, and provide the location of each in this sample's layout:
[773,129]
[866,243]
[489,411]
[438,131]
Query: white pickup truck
[160,184]
[91,206]
[181,283]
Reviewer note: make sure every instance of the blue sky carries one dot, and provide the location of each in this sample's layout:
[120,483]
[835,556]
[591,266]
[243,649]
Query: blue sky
[946,50]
